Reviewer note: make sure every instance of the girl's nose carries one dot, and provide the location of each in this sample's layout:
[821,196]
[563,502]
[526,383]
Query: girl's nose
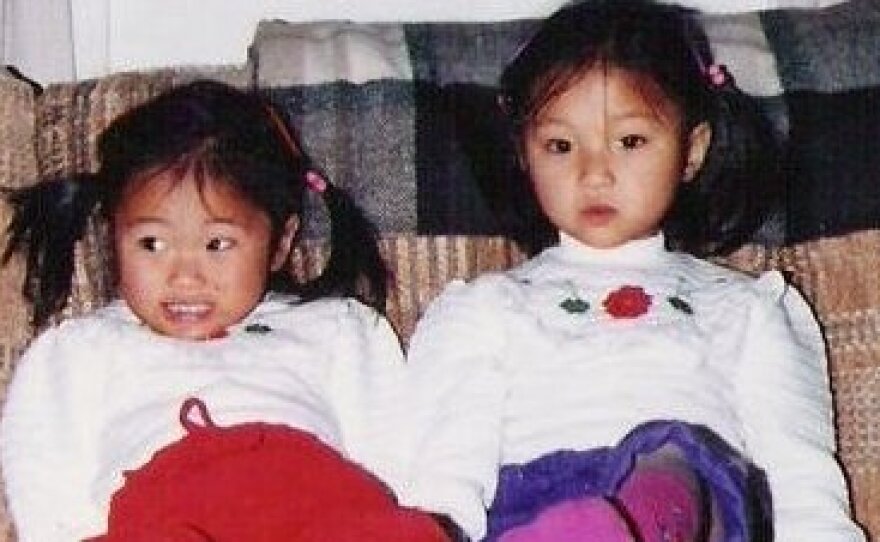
[595,169]
[187,269]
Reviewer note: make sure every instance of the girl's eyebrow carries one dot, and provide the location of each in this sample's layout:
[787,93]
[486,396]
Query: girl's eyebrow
[550,121]
[144,220]
[155,220]
[634,112]
[225,221]
[222,220]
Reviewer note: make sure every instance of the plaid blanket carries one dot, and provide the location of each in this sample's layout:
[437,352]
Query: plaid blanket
[403,114]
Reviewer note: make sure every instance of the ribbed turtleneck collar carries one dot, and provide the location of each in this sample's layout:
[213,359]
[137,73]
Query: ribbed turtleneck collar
[639,252]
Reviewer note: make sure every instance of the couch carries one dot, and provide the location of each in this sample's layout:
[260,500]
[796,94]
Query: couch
[402,116]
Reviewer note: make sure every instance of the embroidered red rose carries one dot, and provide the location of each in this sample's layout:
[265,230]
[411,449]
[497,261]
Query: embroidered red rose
[627,302]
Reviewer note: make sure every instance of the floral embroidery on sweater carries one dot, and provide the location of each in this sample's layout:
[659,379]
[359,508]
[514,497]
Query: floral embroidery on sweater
[626,302]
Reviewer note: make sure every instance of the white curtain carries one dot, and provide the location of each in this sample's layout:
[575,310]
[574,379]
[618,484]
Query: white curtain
[38,38]
[65,40]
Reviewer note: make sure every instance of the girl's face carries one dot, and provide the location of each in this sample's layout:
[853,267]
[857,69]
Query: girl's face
[606,156]
[193,262]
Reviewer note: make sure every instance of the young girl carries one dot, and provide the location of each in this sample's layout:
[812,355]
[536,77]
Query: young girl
[613,387]
[258,395]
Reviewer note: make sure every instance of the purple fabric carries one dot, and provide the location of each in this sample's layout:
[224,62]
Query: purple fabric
[738,486]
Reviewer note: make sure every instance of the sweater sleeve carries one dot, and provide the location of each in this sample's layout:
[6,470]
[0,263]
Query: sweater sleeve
[47,443]
[786,407]
[366,386]
[455,407]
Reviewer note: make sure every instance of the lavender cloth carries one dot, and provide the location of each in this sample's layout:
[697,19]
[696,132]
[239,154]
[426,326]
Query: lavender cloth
[738,486]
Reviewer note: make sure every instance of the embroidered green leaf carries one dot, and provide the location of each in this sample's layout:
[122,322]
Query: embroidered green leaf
[575,305]
[680,304]
[260,329]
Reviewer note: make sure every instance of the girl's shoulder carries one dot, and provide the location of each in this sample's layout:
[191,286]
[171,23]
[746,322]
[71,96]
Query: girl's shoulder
[762,287]
[351,332]
[487,285]
[329,313]
[81,337]
[114,316]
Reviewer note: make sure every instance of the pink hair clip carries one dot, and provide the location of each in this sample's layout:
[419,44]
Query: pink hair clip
[717,75]
[316,182]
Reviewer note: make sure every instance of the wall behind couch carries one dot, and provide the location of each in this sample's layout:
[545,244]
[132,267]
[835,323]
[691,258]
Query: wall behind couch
[65,40]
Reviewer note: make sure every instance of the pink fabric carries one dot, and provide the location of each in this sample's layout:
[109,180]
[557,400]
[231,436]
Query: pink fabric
[661,505]
[588,519]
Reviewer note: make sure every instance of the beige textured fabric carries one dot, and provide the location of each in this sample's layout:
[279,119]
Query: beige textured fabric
[420,266]
[54,135]
[17,162]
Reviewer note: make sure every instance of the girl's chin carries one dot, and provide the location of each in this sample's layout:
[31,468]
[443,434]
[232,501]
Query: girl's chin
[606,239]
[600,242]
[190,333]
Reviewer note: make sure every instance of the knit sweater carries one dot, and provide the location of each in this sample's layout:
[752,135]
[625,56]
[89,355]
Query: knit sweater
[544,357]
[100,394]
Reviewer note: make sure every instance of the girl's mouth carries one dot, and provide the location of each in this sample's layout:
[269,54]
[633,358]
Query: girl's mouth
[598,215]
[186,311]
[192,320]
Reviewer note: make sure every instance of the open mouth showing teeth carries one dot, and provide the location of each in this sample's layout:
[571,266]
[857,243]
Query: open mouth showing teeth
[187,310]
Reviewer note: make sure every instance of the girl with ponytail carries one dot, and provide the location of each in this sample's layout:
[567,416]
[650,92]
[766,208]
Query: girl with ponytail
[217,398]
[618,386]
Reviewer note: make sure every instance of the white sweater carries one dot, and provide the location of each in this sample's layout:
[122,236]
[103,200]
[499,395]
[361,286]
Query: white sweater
[502,373]
[100,394]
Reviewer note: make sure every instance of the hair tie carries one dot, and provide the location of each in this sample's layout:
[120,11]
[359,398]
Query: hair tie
[316,182]
[717,75]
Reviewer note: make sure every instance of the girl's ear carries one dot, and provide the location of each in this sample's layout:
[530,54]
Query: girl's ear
[697,146]
[285,243]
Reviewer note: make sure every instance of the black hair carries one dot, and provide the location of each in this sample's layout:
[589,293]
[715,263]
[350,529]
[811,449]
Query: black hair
[739,185]
[220,133]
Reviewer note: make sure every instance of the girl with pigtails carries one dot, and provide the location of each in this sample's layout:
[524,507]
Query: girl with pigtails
[216,398]
[618,387]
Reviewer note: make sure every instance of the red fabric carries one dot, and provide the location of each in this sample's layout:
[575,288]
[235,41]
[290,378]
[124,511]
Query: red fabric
[258,482]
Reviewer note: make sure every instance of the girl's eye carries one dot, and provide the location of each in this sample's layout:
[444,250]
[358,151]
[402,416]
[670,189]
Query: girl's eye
[220,244]
[151,244]
[558,146]
[632,141]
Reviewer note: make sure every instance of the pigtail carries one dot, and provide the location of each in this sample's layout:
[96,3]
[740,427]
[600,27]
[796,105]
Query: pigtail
[740,186]
[355,267]
[47,221]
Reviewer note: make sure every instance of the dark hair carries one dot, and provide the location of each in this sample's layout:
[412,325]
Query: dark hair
[739,184]
[219,133]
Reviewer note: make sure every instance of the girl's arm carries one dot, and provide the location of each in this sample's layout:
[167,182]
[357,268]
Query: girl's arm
[47,444]
[366,387]
[456,390]
[785,404]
